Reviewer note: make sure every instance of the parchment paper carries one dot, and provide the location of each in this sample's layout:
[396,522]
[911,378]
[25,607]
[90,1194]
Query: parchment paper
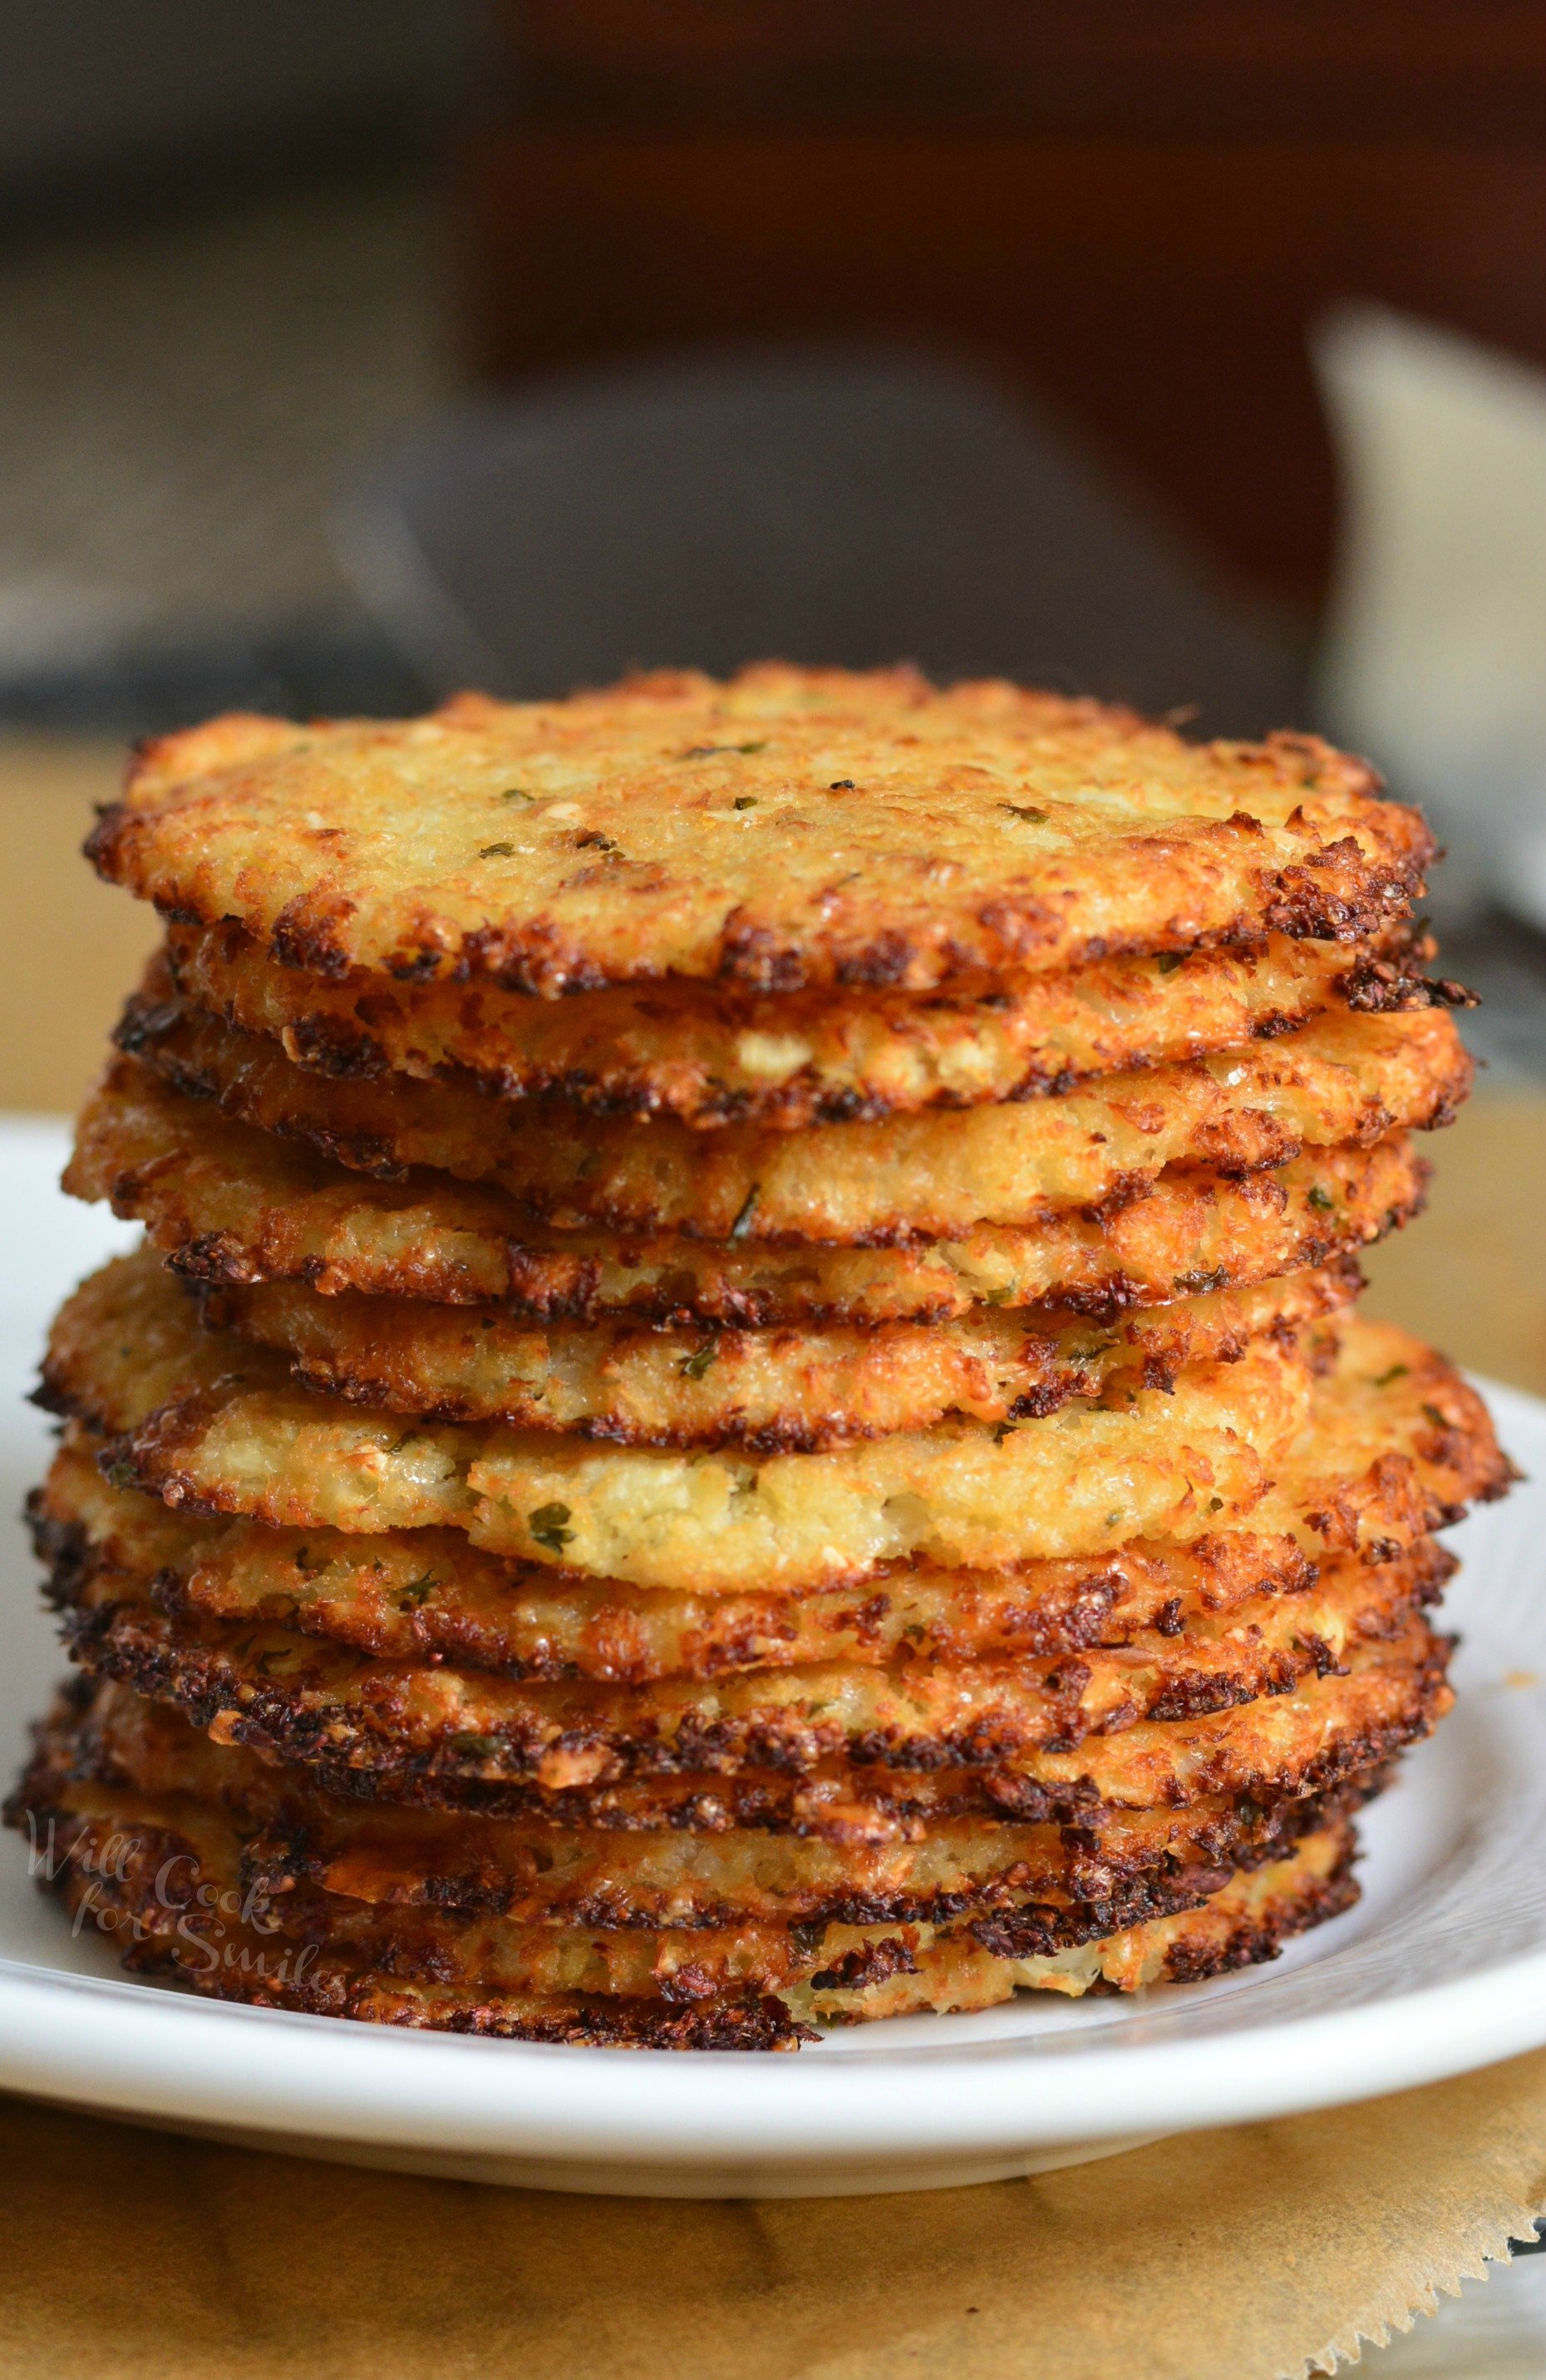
[1233,2255]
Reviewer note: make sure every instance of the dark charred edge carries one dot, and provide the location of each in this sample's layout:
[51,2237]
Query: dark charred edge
[270,1717]
[341,1049]
[530,1290]
[277,1718]
[1253,1941]
[406,1939]
[220,1260]
[782,1806]
[72,1563]
[1338,894]
[1036,1931]
[338,1051]
[127,1891]
[1076,1611]
[861,1970]
[1106,1889]
[145,1030]
[1075,1616]
[756,2022]
[306,935]
[747,2022]
[268,1869]
[1382,987]
[787,1433]
[148,1024]
[1370,1748]
[1075,1620]
[1104,1893]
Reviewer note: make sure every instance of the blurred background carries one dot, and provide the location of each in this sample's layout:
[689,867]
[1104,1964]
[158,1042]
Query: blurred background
[1197,355]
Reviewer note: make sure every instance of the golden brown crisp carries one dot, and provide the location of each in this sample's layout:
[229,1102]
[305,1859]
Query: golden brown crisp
[793,827]
[928,1176]
[431,1593]
[214,1425]
[300,1699]
[535,1872]
[770,1391]
[404,1746]
[1328,1730]
[228,1204]
[171,1871]
[715,1055]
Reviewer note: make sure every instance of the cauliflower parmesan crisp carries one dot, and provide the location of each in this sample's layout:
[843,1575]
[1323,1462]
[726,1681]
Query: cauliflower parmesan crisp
[740,1407]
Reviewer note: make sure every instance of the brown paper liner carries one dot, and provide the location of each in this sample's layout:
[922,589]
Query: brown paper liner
[1256,2254]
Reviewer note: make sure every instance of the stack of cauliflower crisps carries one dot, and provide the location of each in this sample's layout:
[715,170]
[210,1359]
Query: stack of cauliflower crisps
[741,1405]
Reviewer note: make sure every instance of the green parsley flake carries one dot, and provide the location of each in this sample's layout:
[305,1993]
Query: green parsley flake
[549,1526]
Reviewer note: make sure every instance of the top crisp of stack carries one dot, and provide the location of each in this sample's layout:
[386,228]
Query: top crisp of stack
[742,1404]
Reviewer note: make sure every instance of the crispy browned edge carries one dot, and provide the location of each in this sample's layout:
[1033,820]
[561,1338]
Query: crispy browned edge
[1337,894]
[1069,1605]
[359,1753]
[201,1667]
[288,1833]
[785,1431]
[1385,979]
[156,1025]
[154,1942]
[217,1259]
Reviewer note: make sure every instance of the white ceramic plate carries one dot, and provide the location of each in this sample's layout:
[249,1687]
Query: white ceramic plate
[1442,1967]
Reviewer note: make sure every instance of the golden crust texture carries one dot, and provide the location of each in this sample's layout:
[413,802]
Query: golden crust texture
[226,1203]
[1329,1730]
[1140,1861]
[429,1594]
[299,1698]
[168,1870]
[214,1425]
[791,828]
[930,1176]
[781,1391]
[716,1055]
